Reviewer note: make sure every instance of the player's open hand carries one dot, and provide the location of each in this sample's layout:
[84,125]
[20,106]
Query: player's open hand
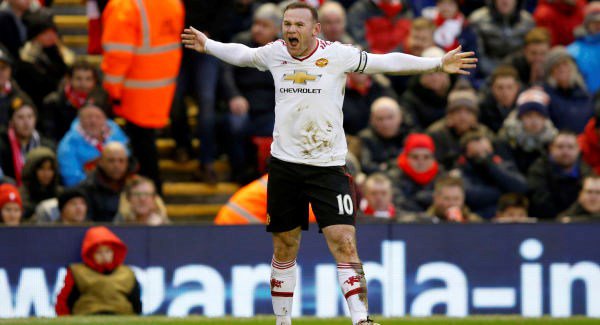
[456,61]
[194,39]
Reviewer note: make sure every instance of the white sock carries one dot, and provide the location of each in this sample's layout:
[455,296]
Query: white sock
[354,287]
[283,282]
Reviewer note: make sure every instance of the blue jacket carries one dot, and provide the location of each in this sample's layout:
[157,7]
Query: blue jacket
[74,152]
[586,51]
[569,109]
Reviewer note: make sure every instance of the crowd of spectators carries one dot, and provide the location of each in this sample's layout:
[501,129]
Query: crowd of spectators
[517,140]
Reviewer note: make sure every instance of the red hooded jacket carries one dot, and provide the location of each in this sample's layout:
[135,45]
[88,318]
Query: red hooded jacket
[589,141]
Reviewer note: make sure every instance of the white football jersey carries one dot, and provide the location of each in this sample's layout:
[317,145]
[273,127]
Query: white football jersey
[308,100]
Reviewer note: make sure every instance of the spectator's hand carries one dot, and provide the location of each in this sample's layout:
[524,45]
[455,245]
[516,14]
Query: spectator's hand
[455,61]
[194,39]
[239,105]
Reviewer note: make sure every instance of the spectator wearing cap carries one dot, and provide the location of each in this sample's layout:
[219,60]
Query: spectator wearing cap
[586,49]
[556,178]
[530,62]
[528,130]
[140,204]
[500,100]
[461,116]
[415,173]
[589,142]
[11,206]
[44,60]
[61,106]
[501,27]
[383,140]
[20,137]
[587,207]
[8,86]
[560,17]
[332,17]
[487,173]
[251,96]
[80,148]
[72,204]
[425,98]
[14,31]
[570,103]
[40,179]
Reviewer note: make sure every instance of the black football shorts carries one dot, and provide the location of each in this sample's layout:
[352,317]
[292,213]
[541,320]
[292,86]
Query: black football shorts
[291,187]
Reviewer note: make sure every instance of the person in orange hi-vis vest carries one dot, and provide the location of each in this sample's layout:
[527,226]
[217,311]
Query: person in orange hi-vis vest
[141,60]
[249,205]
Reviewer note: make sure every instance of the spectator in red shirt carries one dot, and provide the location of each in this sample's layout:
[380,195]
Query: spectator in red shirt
[560,17]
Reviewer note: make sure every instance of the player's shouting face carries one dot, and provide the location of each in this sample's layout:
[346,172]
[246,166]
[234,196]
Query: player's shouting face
[300,30]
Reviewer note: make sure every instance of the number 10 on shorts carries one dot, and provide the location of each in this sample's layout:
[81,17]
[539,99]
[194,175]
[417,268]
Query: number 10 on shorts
[345,204]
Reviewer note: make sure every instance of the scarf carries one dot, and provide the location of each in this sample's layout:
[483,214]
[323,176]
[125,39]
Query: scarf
[421,178]
[363,90]
[76,98]
[18,153]
[447,31]
[516,135]
[94,142]
[368,210]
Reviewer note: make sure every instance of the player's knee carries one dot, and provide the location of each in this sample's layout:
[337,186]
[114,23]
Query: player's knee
[285,247]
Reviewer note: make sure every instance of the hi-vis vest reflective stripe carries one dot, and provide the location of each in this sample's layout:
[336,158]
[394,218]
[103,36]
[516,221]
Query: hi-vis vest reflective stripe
[247,206]
[142,53]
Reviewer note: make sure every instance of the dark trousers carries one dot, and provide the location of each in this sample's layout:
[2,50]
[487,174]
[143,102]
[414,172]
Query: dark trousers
[143,145]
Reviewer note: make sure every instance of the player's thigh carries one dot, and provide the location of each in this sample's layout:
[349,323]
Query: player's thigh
[287,205]
[332,195]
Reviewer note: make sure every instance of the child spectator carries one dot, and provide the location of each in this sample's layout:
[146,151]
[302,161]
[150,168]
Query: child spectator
[72,204]
[20,137]
[11,206]
[139,204]
[512,208]
[528,130]
[102,284]
[40,179]
[377,201]
[415,173]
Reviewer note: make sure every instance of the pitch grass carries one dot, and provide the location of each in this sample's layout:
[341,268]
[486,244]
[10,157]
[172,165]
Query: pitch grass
[265,320]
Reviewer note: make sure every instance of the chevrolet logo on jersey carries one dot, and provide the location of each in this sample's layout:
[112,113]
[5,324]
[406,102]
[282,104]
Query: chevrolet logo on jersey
[300,77]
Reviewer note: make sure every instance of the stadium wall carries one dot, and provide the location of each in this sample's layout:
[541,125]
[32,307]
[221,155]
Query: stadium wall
[419,270]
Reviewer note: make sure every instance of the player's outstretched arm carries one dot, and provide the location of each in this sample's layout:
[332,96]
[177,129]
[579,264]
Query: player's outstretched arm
[454,61]
[232,53]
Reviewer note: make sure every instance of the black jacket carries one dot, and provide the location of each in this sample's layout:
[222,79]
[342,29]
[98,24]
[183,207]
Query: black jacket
[422,104]
[102,196]
[550,190]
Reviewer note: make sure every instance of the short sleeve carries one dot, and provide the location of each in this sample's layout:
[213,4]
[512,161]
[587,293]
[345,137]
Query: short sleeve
[353,59]
[263,56]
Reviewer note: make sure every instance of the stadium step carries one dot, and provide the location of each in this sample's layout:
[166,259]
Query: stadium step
[67,2]
[166,147]
[192,212]
[64,22]
[197,193]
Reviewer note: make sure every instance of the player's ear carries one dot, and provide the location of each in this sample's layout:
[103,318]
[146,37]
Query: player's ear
[317,29]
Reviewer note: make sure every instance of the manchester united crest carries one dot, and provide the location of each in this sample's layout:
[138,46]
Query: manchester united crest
[322,62]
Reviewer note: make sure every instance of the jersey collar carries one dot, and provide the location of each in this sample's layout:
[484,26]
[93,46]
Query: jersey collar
[311,53]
